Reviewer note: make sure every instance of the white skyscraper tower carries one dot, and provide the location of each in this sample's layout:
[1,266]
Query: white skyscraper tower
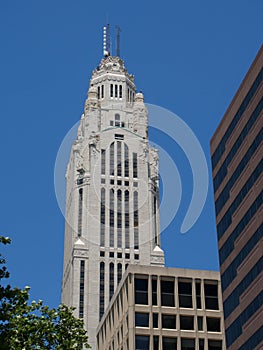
[112,211]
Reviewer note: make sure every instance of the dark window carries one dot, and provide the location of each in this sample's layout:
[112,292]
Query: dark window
[231,272]
[111,218]
[111,90]
[226,221]
[112,181]
[126,161]
[135,165]
[187,344]
[119,218]
[127,219]
[103,152]
[221,147]
[112,159]
[155,342]
[229,244]
[80,212]
[119,255]
[116,90]
[185,294]
[213,324]
[119,137]
[232,300]
[120,91]
[201,344]
[102,284]
[154,291]
[211,296]
[102,91]
[200,323]
[111,254]
[215,344]
[169,321]
[136,256]
[167,293]
[127,255]
[102,254]
[198,294]
[98,92]
[102,218]
[155,320]
[102,181]
[119,272]
[141,291]
[254,340]
[119,158]
[222,172]
[169,343]
[141,319]
[187,322]
[111,280]
[81,288]
[136,220]
[126,183]
[119,182]
[142,342]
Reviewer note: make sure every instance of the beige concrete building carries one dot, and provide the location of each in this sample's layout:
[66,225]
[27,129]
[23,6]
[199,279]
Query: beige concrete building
[161,308]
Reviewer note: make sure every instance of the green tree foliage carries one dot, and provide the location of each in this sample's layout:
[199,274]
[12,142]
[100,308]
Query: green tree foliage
[26,326]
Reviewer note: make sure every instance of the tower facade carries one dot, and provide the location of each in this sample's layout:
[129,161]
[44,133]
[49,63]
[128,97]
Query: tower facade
[112,202]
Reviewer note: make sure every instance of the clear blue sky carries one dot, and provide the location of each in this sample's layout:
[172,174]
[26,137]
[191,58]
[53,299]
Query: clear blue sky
[187,56]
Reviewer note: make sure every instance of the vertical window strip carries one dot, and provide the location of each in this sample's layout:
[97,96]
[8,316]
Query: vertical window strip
[155,221]
[98,92]
[119,218]
[119,272]
[119,172]
[112,159]
[102,218]
[127,219]
[102,288]
[111,90]
[102,91]
[103,161]
[120,91]
[80,212]
[126,161]
[135,165]
[111,280]
[136,220]
[116,90]
[111,218]
[81,288]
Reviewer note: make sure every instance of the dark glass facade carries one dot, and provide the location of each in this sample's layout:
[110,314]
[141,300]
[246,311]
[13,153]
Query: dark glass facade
[236,149]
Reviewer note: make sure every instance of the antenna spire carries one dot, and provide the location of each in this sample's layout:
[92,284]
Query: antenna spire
[106,40]
[118,31]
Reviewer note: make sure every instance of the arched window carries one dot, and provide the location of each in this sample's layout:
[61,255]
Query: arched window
[119,272]
[111,280]
[111,218]
[127,219]
[117,120]
[136,220]
[119,218]
[102,218]
[119,158]
[102,288]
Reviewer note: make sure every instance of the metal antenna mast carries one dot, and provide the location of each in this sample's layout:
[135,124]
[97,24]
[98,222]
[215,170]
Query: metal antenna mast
[118,31]
[106,40]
